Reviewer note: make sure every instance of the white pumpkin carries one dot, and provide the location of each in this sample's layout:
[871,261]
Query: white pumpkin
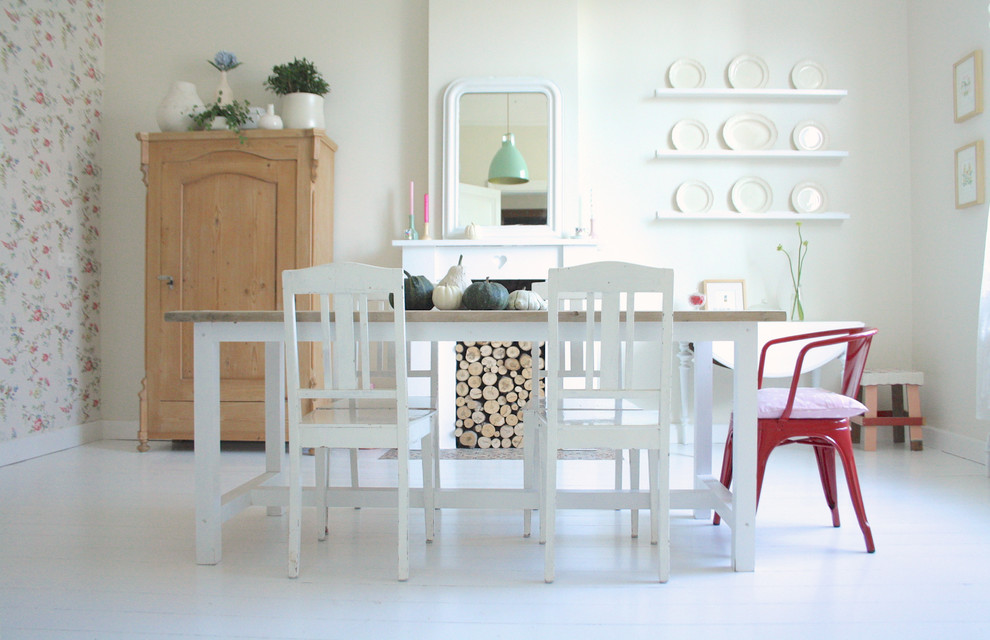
[472,231]
[447,296]
[523,300]
[456,276]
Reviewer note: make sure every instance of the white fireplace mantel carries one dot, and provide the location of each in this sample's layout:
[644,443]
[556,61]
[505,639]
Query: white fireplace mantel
[510,258]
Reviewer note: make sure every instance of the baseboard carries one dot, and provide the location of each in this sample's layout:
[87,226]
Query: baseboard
[32,446]
[957,445]
[120,429]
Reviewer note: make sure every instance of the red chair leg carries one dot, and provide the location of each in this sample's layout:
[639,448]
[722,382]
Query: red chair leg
[826,469]
[843,444]
[726,476]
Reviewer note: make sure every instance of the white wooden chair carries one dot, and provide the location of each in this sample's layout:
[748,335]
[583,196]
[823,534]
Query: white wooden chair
[609,406]
[345,409]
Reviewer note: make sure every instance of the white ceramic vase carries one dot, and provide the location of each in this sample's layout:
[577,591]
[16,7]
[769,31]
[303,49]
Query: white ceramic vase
[303,111]
[177,108]
[269,120]
[225,95]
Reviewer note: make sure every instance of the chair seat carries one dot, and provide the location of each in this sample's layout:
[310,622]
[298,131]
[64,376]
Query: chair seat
[810,403]
[361,417]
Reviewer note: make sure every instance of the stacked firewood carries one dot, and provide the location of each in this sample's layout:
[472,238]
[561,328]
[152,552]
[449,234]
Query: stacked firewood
[494,382]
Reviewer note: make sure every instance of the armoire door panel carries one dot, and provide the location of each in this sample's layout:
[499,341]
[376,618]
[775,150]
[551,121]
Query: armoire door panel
[226,250]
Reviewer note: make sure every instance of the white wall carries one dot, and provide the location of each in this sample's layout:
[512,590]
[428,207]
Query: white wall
[948,243]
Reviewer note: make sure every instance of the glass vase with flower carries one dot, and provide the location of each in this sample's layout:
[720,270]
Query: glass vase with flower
[795,265]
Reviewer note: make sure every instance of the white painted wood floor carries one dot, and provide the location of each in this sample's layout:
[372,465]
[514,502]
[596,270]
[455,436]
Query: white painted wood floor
[97,542]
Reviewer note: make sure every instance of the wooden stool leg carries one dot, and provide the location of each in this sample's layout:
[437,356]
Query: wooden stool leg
[914,411]
[897,409]
[870,432]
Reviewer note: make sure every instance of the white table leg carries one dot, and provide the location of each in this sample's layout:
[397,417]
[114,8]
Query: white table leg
[274,412]
[686,359]
[744,452]
[702,418]
[206,438]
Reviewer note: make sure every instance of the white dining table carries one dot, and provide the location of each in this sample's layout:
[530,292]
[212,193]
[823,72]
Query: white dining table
[214,505]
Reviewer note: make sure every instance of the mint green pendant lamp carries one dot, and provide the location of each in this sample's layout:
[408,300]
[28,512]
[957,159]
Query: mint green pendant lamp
[508,166]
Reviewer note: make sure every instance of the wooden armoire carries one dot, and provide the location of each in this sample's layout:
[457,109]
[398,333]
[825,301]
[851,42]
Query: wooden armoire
[226,214]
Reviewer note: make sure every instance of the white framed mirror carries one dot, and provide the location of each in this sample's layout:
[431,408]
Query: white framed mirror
[481,117]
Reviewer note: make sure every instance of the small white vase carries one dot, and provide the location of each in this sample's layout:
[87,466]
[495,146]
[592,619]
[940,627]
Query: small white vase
[177,108]
[269,120]
[225,95]
[303,111]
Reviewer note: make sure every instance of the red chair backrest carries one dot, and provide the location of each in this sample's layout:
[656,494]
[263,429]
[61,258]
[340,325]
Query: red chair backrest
[857,349]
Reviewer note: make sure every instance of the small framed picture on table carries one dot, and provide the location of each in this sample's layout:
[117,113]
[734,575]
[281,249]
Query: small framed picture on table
[969,175]
[967,84]
[725,295]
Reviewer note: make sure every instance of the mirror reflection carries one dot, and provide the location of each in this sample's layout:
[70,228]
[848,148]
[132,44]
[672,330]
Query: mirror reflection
[503,159]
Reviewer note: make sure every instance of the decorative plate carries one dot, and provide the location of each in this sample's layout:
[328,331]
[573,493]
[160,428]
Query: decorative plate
[689,135]
[809,135]
[685,73]
[749,132]
[808,74]
[747,72]
[694,196]
[751,195]
[808,197]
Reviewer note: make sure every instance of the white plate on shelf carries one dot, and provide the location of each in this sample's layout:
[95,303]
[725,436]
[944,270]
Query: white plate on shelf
[685,73]
[749,132]
[689,135]
[808,197]
[747,72]
[809,135]
[694,196]
[751,195]
[808,74]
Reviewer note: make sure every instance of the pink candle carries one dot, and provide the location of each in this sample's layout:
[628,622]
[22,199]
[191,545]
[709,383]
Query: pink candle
[426,208]
[411,199]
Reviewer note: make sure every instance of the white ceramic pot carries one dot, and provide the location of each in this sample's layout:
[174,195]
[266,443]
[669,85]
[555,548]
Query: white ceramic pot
[303,111]
[269,120]
[177,108]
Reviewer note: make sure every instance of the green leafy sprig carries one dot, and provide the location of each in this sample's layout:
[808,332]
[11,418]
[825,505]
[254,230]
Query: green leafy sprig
[236,113]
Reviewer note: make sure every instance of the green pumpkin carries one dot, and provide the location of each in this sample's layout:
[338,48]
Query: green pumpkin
[485,296]
[417,292]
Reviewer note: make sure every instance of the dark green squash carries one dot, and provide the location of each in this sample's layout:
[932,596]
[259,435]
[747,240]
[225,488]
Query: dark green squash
[485,296]
[417,292]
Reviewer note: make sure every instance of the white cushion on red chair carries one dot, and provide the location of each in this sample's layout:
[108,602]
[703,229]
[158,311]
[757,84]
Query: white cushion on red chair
[809,403]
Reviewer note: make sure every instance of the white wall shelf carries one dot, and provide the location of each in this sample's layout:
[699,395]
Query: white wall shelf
[726,154]
[754,94]
[734,215]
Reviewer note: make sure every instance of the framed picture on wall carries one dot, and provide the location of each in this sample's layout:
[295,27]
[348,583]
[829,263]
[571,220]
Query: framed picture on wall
[967,82]
[969,175]
[725,295]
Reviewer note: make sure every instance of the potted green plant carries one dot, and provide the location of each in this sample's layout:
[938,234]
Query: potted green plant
[233,116]
[302,88]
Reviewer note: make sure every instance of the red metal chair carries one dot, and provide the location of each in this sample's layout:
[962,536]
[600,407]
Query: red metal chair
[802,415]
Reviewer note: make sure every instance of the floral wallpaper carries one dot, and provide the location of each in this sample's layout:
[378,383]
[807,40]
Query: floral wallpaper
[51,62]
